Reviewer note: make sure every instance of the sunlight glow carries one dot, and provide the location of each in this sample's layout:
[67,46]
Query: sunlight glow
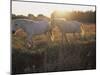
[25,8]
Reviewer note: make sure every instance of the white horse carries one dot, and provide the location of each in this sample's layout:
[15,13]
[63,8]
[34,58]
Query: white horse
[68,27]
[31,28]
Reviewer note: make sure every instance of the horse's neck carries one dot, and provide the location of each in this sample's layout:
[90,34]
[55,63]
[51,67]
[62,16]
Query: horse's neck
[23,27]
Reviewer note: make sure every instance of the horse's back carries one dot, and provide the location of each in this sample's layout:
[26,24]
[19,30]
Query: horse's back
[71,26]
[37,27]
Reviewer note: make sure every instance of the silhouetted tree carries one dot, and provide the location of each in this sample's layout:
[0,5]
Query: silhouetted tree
[31,16]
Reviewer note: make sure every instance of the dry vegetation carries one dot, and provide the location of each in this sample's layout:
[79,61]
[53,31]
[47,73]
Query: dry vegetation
[76,55]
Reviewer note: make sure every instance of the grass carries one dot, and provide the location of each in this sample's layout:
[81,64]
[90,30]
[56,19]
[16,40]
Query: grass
[76,55]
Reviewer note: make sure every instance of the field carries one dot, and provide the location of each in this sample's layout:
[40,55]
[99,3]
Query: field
[46,56]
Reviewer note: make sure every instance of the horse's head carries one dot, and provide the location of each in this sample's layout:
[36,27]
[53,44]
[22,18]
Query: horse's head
[16,24]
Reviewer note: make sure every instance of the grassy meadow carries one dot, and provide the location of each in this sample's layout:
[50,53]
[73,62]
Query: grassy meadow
[46,56]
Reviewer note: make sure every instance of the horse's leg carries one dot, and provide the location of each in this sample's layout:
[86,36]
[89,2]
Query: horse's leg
[51,35]
[66,39]
[29,41]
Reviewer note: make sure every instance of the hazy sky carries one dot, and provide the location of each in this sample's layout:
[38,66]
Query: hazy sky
[24,8]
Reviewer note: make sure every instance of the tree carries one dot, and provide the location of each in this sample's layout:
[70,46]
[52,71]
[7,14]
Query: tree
[31,16]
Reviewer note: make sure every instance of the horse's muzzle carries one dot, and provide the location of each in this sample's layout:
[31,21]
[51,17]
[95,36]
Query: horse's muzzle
[13,32]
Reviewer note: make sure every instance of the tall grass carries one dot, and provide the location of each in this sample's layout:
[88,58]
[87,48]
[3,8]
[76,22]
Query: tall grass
[76,55]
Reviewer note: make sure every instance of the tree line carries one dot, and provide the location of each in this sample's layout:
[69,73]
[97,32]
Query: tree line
[85,17]
[29,16]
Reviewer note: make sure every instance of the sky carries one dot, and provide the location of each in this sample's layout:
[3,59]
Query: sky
[93,2]
[25,8]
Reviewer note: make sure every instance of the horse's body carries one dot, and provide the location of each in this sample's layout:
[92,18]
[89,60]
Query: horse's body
[31,27]
[68,26]
[65,27]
